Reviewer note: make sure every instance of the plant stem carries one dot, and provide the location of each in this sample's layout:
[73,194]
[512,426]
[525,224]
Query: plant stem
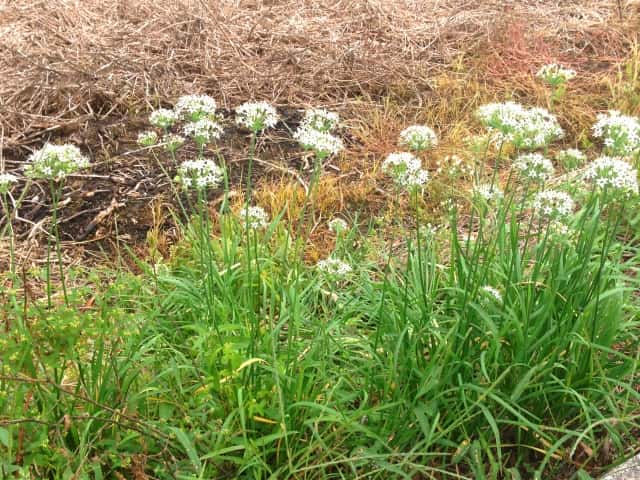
[55,192]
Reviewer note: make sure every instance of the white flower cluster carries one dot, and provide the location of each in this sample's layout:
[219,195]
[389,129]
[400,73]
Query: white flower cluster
[255,218]
[6,181]
[553,204]
[199,174]
[55,162]
[534,167]
[488,192]
[571,158]
[320,119]
[314,133]
[337,225]
[321,142]
[405,169]
[621,133]
[256,116]
[527,128]
[334,267]
[492,292]
[195,107]
[203,131]
[453,166]
[147,139]
[612,173]
[555,74]
[418,138]
[172,142]
[163,118]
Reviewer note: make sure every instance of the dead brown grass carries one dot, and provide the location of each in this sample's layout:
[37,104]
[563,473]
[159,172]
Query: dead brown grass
[68,63]
[88,72]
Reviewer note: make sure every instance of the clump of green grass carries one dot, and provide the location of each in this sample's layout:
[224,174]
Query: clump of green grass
[501,344]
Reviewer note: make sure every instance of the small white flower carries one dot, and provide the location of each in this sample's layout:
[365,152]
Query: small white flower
[571,158]
[614,174]
[163,118]
[405,169]
[454,166]
[203,131]
[199,174]
[255,217]
[418,137]
[172,142]
[334,267]
[256,116]
[322,143]
[6,181]
[534,167]
[553,204]
[55,162]
[337,225]
[195,107]
[147,139]
[488,192]
[555,74]
[525,128]
[320,119]
[492,292]
[620,133]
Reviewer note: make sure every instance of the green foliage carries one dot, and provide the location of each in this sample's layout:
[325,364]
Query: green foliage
[494,347]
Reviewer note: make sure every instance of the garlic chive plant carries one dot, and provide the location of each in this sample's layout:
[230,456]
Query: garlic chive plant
[256,116]
[203,132]
[619,133]
[320,119]
[557,77]
[534,167]
[525,128]
[418,138]
[163,118]
[7,182]
[193,108]
[53,163]
[613,176]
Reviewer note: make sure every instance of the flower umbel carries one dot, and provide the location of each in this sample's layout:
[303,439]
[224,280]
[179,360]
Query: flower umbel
[6,181]
[199,174]
[553,204]
[196,107]
[334,267]
[256,116]
[613,174]
[256,217]
[147,139]
[524,128]
[492,293]
[337,225]
[418,137]
[621,133]
[55,162]
[203,131]
[163,118]
[405,169]
[172,142]
[488,192]
[555,74]
[321,142]
[320,119]
[534,167]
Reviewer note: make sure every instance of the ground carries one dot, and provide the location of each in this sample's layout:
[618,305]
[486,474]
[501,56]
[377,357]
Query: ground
[89,72]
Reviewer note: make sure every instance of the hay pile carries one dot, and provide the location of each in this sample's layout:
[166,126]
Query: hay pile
[73,64]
